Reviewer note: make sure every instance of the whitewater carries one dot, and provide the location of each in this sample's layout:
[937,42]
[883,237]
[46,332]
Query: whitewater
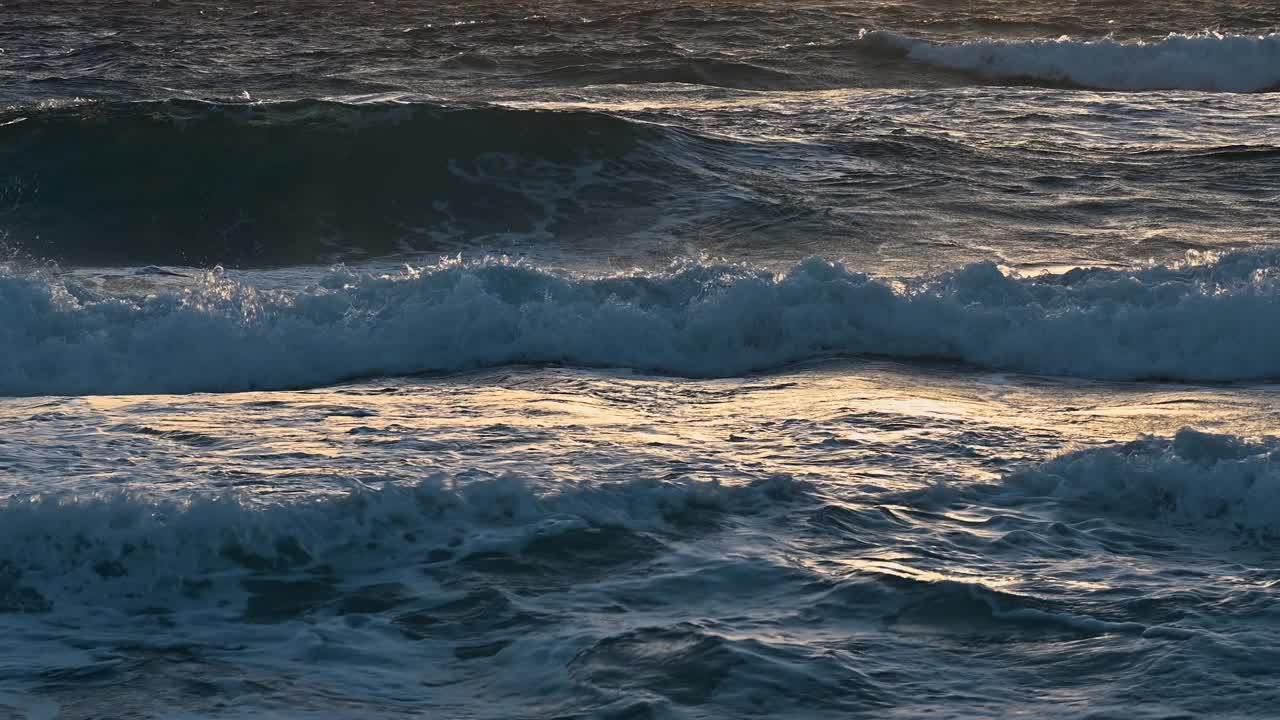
[1206,62]
[639,360]
[1193,322]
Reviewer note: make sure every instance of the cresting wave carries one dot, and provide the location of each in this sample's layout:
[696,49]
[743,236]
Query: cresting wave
[1197,478]
[1210,62]
[139,546]
[200,183]
[63,544]
[1208,321]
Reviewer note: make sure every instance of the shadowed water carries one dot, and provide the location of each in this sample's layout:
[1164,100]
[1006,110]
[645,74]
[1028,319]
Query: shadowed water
[638,360]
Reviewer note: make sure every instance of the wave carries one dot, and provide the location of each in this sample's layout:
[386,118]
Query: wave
[691,665]
[196,183]
[1208,62]
[711,72]
[1203,479]
[958,606]
[62,544]
[1194,322]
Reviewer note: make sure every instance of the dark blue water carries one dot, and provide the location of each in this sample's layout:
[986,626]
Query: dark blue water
[634,359]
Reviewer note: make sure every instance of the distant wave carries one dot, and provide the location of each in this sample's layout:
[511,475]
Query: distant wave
[1204,479]
[1210,321]
[693,71]
[199,183]
[1209,62]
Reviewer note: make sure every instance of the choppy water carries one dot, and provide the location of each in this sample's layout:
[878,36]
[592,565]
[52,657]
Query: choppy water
[629,359]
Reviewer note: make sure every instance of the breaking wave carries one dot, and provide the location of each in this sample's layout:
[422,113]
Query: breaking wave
[1199,478]
[1195,322]
[64,543]
[1210,62]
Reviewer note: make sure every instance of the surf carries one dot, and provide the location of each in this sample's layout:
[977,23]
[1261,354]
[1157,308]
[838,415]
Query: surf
[1210,62]
[1195,321]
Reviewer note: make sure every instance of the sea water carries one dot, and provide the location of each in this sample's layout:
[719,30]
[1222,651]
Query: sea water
[635,359]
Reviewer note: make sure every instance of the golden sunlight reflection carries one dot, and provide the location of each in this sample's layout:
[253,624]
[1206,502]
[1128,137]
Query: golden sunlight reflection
[840,418]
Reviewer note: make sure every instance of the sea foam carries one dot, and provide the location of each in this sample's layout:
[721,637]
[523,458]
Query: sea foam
[1203,479]
[72,541]
[1213,321]
[1209,61]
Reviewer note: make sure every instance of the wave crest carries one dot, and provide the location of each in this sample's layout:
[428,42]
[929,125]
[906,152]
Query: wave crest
[156,541]
[1186,322]
[1210,62]
[1205,479]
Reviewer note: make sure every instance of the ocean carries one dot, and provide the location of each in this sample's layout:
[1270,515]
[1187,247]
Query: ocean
[637,359]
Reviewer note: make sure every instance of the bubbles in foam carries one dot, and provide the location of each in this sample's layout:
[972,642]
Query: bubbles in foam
[1193,322]
[1205,479]
[66,543]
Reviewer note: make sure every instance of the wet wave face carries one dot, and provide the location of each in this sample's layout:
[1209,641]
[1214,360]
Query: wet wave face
[883,178]
[318,49]
[200,184]
[638,359]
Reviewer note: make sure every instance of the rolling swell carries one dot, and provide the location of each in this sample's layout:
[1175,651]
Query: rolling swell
[1208,62]
[197,183]
[1194,322]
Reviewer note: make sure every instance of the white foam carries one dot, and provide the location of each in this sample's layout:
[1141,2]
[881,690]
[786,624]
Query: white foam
[1203,479]
[1208,61]
[119,541]
[1192,322]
